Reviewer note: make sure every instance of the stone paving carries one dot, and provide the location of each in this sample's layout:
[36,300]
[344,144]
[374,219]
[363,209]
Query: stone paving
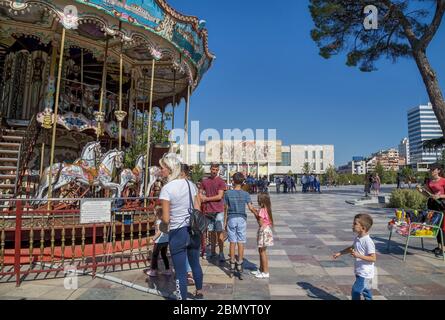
[309,228]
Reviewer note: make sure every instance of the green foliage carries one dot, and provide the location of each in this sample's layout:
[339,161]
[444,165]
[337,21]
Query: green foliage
[306,168]
[389,177]
[339,27]
[331,175]
[407,174]
[197,173]
[380,170]
[159,134]
[407,199]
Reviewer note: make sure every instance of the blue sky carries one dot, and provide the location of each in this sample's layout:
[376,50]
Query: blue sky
[268,74]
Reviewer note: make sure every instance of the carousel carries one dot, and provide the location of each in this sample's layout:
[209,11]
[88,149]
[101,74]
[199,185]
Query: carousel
[79,84]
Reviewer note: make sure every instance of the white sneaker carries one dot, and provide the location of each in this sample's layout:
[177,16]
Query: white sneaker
[255,272]
[262,275]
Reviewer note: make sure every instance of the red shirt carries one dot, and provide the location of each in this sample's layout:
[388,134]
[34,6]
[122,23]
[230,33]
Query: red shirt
[437,187]
[212,186]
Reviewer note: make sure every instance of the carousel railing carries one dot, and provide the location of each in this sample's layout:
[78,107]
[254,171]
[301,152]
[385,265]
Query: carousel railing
[25,151]
[36,241]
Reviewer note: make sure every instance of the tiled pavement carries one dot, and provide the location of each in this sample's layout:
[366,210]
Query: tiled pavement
[309,228]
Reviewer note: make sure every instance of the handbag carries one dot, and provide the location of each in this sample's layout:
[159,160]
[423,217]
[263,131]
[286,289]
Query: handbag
[198,221]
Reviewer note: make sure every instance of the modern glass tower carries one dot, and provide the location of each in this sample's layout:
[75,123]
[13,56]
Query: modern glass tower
[422,125]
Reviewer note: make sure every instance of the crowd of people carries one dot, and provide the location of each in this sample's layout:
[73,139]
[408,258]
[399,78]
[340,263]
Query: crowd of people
[226,211]
[256,185]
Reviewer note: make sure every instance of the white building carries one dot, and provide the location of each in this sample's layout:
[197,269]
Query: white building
[356,166]
[422,125]
[276,160]
[404,150]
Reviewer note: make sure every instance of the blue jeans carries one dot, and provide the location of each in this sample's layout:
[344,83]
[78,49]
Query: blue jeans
[362,286]
[183,246]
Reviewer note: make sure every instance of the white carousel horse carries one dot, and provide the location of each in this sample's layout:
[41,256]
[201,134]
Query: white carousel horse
[90,155]
[63,174]
[136,176]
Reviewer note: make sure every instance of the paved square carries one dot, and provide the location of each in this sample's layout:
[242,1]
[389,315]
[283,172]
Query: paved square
[309,229]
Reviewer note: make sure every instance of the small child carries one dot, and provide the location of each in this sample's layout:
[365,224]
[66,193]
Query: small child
[235,221]
[160,246]
[363,250]
[264,236]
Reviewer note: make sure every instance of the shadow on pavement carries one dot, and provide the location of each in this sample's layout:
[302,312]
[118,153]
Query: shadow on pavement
[314,292]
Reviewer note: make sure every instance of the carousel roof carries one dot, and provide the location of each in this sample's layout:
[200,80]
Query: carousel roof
[142,30]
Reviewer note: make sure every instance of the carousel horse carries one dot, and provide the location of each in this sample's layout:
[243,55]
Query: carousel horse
[63,174]
[136,176]
[90,155]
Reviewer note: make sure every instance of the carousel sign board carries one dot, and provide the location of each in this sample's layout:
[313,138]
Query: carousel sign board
[95,211]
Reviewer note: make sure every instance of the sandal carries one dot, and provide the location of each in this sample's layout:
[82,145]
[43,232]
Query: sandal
[199,296]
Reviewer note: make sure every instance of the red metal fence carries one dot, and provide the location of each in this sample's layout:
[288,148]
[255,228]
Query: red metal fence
[35,239]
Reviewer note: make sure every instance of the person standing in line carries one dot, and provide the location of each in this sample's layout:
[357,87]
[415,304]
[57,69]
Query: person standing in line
[264,235]
[235,221]
[213,205]
[278,184]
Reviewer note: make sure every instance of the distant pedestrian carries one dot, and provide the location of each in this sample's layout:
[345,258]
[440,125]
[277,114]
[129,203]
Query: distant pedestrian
[278,184]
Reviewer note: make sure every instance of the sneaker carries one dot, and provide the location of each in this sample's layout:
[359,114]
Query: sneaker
[152,273]
[199,296]
[262,275]
[167,272]
[221,257]
[255,272]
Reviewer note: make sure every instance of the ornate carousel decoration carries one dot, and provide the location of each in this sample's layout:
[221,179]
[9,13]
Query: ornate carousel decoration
[76,83]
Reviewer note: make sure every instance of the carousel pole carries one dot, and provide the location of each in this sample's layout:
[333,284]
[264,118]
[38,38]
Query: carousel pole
[147,161]
[186,125]
[81,80]
[100,116]
[56,111]
[120,115]
[174,99]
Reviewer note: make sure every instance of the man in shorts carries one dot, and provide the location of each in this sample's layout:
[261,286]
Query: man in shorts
[213,205]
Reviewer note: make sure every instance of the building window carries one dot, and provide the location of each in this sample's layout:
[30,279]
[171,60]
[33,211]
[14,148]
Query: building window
[313,166]
[313,154]
[321,155]
[285,159]
[202,157]
[321,166]
[306,154]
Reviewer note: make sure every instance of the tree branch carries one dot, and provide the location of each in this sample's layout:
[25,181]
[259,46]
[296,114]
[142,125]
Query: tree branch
[407,27]
[434,26]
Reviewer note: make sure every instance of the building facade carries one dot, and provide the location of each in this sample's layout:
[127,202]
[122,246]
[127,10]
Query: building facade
[261,158]
[422,125]
[389,159]
[404,150]
[356,166]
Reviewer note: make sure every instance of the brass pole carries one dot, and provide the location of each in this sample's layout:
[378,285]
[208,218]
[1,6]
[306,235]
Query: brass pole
[42,155]
[174,99]
[186,125]
[103,86]
[56,112]
[120,97]
[81,80]
[147,161]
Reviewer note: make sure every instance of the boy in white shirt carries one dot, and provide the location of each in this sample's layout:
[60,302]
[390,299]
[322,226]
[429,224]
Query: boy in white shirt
[363,250]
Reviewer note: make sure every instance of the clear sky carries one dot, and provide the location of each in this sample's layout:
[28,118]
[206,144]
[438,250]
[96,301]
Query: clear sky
[268,74]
